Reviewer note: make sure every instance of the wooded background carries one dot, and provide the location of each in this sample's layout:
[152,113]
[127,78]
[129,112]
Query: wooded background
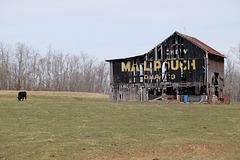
[24,68]
[232,73]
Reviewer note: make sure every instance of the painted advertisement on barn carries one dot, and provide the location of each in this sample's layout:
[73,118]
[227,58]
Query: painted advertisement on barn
[159,71]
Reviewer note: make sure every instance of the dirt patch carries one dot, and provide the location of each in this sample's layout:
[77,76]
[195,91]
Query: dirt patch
[52,155]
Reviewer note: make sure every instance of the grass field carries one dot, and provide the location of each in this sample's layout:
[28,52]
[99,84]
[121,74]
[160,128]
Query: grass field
[79,126]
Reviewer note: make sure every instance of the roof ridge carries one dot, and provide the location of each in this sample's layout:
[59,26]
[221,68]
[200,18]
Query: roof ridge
[202,45]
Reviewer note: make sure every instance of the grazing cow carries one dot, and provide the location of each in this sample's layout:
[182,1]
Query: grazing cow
[22,95]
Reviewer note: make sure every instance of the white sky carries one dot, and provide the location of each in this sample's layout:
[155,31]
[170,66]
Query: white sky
[110,29]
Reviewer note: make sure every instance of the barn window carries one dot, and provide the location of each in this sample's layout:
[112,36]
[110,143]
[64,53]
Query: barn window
[141,69]
[151,67]
[174,51]
[167,53]
[164,68]
[160,52]
[141,79]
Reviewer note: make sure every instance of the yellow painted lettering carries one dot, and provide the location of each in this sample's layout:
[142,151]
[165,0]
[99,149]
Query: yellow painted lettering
[132,68]
[173,76]
[145,76]
[151,77]
[157,76]
[193,64]
[126,68]
[145,66]
[176,66]
[185,67]
[157,65]
[137,68]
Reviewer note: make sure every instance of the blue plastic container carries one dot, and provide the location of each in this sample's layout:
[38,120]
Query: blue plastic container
[185,98]
[202,98]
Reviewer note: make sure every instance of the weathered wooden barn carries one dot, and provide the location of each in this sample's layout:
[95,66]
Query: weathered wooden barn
[180,65]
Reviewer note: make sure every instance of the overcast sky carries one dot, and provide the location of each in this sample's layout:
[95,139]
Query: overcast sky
[110,29]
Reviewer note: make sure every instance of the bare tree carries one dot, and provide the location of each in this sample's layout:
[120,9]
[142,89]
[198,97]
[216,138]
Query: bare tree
[22,53]
[5,73]
[25,68]
[232,74]
[87,72]
[101,80]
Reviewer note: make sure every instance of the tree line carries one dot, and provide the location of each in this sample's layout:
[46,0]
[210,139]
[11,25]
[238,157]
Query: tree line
[24,68]
[232,74]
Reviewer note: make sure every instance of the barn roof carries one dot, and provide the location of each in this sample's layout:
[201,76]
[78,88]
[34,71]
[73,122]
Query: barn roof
[189,38]
[202,45]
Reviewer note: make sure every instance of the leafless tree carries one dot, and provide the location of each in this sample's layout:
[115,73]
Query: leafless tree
[24,68]
[232,74]
[5,72]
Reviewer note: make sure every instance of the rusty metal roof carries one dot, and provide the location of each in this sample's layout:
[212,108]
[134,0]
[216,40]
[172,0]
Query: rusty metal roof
[202,45]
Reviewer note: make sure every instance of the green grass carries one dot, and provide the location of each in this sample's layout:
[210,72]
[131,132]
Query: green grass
[76,126]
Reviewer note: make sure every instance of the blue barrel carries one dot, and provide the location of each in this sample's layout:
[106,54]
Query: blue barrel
[185,98]
[202,98]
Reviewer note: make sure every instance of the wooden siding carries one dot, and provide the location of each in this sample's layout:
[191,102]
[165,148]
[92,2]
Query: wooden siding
[174,67]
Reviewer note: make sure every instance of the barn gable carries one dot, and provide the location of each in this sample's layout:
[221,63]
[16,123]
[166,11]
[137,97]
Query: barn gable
[178,65]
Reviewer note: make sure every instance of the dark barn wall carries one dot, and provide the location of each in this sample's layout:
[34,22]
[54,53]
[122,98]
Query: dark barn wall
[174,53]
[175,66]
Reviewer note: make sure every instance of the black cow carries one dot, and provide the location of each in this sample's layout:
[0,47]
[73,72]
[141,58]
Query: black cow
[22,95]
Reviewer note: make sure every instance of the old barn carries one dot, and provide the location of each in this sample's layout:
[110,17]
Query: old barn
[181,68]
